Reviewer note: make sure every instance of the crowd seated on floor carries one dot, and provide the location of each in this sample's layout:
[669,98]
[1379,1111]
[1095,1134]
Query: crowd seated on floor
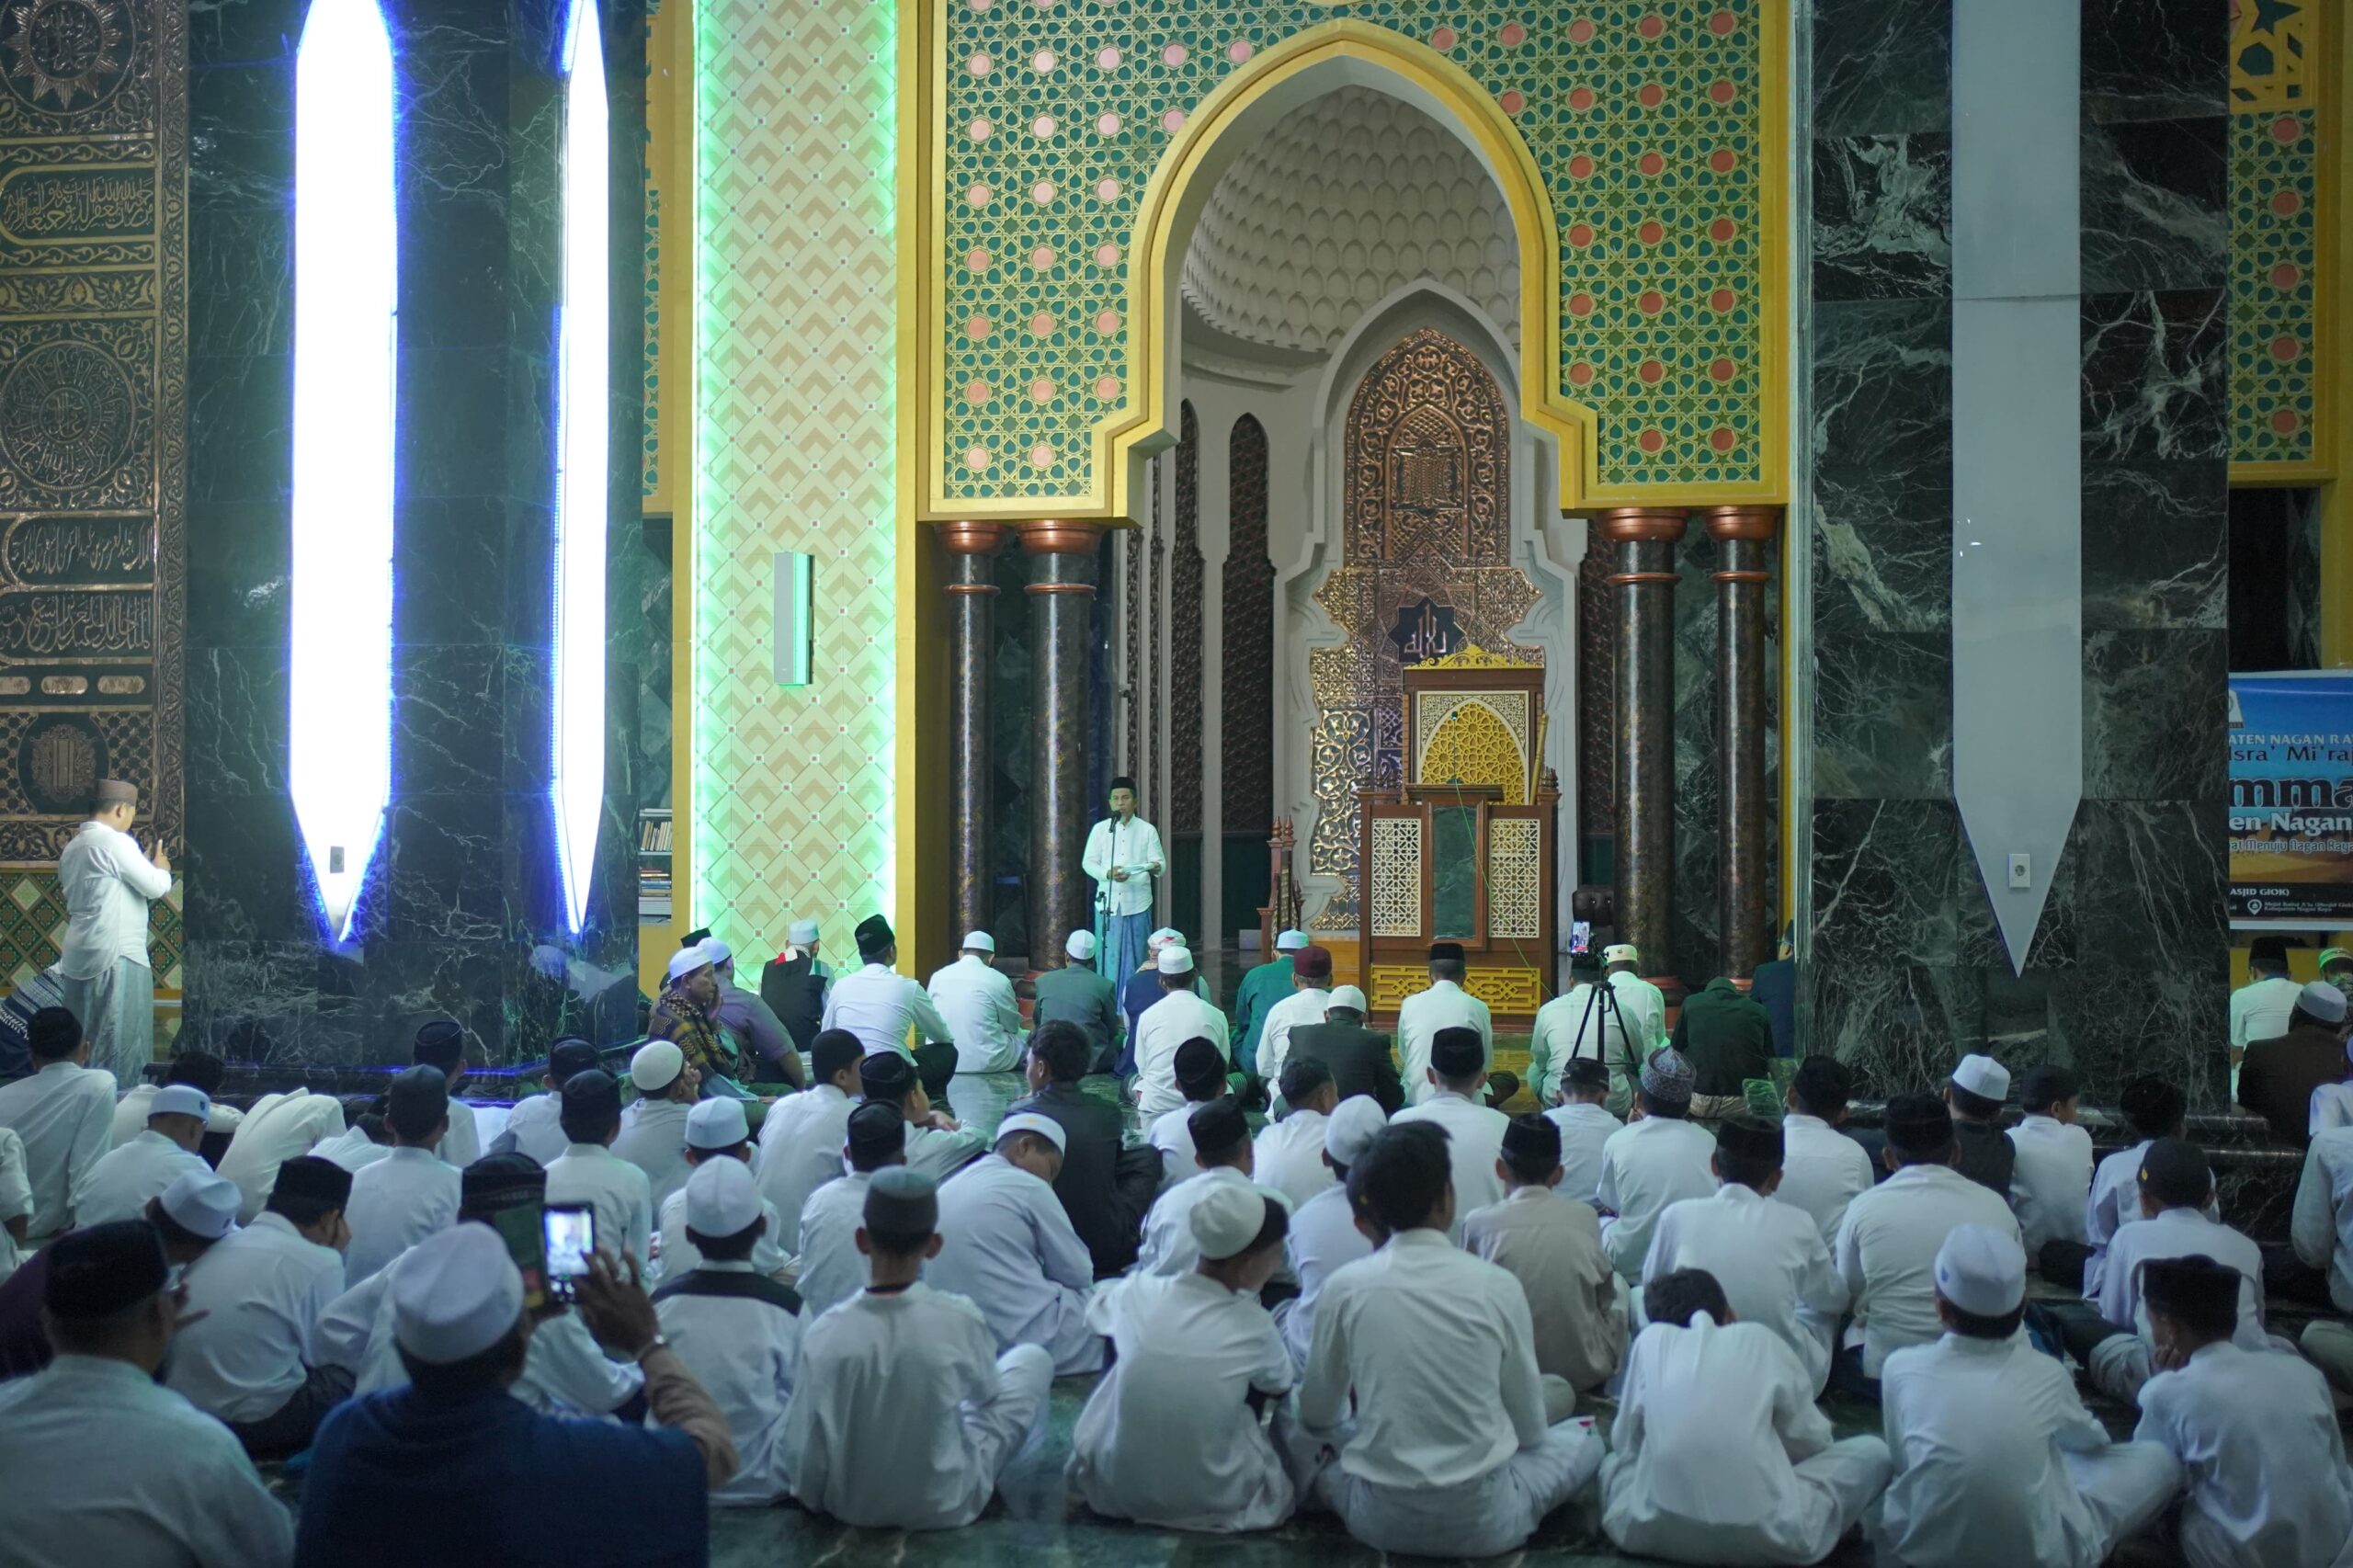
[750,1261]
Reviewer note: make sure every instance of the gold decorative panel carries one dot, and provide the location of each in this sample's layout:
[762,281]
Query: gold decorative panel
[1514,879]
[1433,528]
[1397,876]
[1508,990]
[93,423]
[1476,737]
[2281,189]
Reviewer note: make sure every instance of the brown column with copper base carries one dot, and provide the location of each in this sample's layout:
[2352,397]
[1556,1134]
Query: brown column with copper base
[1061,597]
[1743,535]
[1642,542]
[972,608]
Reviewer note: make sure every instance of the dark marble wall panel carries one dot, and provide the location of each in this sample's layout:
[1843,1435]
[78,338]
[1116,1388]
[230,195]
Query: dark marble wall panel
[464,913]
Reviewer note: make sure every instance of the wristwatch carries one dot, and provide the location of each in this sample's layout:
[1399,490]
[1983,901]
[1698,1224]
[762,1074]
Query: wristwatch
[659,1342]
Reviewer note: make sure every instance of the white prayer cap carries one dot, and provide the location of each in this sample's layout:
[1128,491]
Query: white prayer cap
[721,1198]
[1226,1218]
[717,1124]
[1290,941]
[685,961]
[1622,952]
[979,940]
[1163,938]
[1982,1076]
[455,1294]
[180,1100]
[2323,1001]
[1981,1271]
[1045,1127]
[801,933]
[1175,959]
[656,1065]
[1346,996]
[715,951]
[1081,946]
[203,1204]
[1351,1128]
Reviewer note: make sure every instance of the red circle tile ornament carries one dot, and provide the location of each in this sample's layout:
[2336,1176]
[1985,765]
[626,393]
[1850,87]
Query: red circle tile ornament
[1650,232]
[1041,456]
[2287,275]
[1173,121]
[978,196]
[1722,300]
[1650,95]
[1041,325]
[1512,35]
[977,394]
[2286,129]
[1580,167]
[1175,54]
[978,329]
[1045,127]
[1580,304]
[1723,160]
[1041,391]
[1042,193]
[1651,440]
[1239,51]
[1580,235]
[1650,301]
[1721,437]
[1443,39]
[1107,190]
[1721,90]
[1044,62]
[1580,374]
[983,5]
[1581,98]
[1651,164]
[2284,348]
[2287,203]
[1107,388]
[1107,254]
[1107,323]
[1721,230]
[1722,370]
[977,261]
[980,131]
[976,458]
[2284,422]
[1721,23]
[1513,101]
[1041,258]
[1107,59]
[1650,372]
[980,66]
[1581,32]
[1108,124]
[1651,25]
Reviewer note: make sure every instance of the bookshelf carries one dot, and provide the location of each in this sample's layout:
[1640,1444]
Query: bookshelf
[652,867]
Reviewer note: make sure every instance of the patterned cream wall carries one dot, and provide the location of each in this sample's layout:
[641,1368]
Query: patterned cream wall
[792,790]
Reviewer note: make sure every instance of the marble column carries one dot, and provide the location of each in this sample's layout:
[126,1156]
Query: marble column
[1061,591]
[1742,535]
[972,608]
[1641,542]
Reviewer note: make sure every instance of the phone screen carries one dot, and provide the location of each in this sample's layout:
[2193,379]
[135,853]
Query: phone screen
[570,1235]
[1580,936]
[518,1225]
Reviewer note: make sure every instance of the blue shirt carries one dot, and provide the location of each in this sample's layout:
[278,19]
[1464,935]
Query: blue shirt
[1776,985]
[541,1491]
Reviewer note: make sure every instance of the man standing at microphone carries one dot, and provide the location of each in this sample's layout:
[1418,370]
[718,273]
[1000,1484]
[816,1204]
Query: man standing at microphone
[1123,857]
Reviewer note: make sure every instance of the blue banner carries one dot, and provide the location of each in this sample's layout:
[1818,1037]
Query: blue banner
[2292,801]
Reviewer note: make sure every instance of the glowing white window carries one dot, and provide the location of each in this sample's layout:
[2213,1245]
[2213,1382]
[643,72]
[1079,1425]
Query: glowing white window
[346,293]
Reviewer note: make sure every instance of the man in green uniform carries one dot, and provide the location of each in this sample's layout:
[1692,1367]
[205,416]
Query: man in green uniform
[1261,989]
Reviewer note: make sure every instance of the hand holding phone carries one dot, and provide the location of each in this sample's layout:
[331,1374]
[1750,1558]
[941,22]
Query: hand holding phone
[568,1234]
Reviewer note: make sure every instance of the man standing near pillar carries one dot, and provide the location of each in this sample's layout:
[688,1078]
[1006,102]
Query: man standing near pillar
[103,966]
[1124,857]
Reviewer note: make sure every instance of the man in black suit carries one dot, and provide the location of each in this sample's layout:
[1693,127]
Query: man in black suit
[1104,1188]
[1360,1057]
[794,989]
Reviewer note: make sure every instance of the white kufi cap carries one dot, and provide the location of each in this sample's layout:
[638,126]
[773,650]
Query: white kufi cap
[717,1124]
[1045,1127]
[656,1066]
[685,961]
[1175,960]
[714,950]
[1981,1271]
[1622,952]
[455,1294]
[203,1204]
[2323,1001]
[1081,946]
[1346,996]
[180,1100]
[1351,1128]
[979,940]
[721,1198]
[801,933]
[1227,1217]
[1290,941]
[1983,1077]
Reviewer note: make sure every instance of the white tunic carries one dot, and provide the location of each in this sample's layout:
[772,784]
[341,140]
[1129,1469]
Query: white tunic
[1474,1141]
[131,1114]
[940,1154]
[1297,1010]
[262,1291]
[16,1196]
[537,1126]
[742,1349]
[1771,1261]
[119,1184]
[276,1130]
[1168,1438]
[1134,845]
[878,1004]
[2322,1223]
[1168,1245]
[2050,1180]
[1886,1253]
[618,1192]
[1323,1239]
[1288,1156]
[1654,1162]
[461,1145]
[108,882]
[1585,1129]
[800,1150]
[396,1202]
[1177,1016]
[352,1149]
[983,1017]
[2257,1439]
[832,1268]
[2115,1199]
[104,1468]
[63,1113]
[2332,1106]
[1010,1251]
[2180,1233]
[902,1414]
[653,1138]
[1172,1134]
[1822,1171]
[1443,1005]
[677,1254]
[1573,1024]
[2260,1009]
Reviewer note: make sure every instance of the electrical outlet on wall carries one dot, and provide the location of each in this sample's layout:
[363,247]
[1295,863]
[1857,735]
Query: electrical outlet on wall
[2021,871]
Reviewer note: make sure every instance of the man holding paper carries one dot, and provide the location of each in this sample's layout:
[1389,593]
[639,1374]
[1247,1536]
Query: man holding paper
[1124,857]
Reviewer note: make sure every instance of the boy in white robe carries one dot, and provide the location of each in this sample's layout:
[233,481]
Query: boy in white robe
[1457,1077]
[1552,1244]
[128,1174]
[831,1269]
[2256,1433]
[905,1415]
[1008,1247]
[2176,1188]
[800,1138]
[1200,1078]
[1288,1155]
[716,1129]
[2152,1108]
[2051,1178]
[1719,1454]
[1221,1134]
[1661,1157]
[1586,1126]
[1997,1459]
[1323,1236]
[1174,1435]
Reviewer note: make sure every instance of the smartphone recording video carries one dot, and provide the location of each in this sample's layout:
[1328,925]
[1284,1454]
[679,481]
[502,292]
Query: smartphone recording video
[568,1231]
